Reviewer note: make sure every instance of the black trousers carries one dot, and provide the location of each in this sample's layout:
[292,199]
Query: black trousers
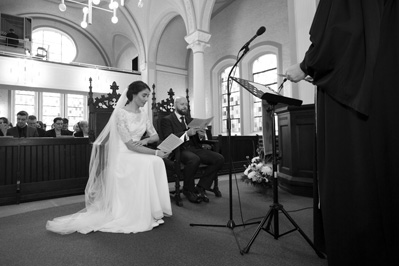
[192,157]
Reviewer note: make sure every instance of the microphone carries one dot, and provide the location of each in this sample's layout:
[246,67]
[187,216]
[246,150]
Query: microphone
[260,31]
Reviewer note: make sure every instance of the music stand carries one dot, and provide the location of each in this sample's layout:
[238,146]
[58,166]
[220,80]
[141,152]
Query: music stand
[273,98]
[230,223]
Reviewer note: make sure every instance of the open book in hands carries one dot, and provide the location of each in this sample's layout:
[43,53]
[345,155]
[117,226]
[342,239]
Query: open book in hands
[170,143]
[200,123]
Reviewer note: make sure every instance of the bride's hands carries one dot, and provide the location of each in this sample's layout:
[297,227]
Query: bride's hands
[142,142]
[162,154]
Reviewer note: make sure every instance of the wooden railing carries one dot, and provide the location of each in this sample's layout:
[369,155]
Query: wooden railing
[41,168]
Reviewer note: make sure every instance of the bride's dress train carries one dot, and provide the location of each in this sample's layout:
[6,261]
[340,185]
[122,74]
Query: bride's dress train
[134,195]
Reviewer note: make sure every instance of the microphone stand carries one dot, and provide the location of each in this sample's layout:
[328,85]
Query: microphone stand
[230,223]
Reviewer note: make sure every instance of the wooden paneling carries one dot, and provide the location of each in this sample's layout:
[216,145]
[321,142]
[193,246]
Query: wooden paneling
[297,148]
[40,168]
[240,147]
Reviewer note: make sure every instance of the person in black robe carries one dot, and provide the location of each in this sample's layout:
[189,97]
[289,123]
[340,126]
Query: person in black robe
[354,61]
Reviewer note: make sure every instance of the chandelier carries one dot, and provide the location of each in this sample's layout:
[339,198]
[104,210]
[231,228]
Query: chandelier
[88,9]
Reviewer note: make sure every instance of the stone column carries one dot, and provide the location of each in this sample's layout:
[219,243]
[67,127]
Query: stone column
[197,42]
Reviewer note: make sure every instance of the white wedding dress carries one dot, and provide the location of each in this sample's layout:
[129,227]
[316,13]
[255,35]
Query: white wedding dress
[127,192]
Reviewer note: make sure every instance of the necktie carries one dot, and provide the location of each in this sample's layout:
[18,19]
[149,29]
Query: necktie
[183,123]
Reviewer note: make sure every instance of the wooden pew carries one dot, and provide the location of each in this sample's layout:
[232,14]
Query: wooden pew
[42,168]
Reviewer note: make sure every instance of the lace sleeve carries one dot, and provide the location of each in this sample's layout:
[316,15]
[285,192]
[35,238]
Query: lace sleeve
[150,128]
[121,125]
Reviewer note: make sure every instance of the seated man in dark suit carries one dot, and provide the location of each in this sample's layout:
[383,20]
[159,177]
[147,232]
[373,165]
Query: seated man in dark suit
[32,122]
[12,38]
[192,154]
[65,126]
[21,130]
[57,131]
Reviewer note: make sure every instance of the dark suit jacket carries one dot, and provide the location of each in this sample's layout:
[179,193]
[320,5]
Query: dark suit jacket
[51,133]
[30,132]
[41,132]
[171,124]
[79,134]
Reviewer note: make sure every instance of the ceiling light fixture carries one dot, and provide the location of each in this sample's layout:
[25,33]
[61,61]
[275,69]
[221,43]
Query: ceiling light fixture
[88,9]
[140,3]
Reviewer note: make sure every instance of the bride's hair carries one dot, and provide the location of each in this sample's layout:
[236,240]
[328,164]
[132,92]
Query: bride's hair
[135,87]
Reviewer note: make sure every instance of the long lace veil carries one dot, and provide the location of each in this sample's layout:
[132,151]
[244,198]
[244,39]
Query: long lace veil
[100,186]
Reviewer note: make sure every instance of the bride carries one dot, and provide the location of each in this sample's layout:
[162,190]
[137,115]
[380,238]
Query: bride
[127,190]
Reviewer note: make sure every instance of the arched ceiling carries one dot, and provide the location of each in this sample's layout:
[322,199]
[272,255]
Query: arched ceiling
[135,27]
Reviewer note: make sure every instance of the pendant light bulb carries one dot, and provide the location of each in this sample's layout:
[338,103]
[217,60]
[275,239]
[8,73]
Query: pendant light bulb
[113,5]
[114,18]
[62,6]
[140,4]
[96,2]
[83,24]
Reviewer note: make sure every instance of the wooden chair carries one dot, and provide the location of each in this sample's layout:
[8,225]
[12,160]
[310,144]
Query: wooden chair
[100,110]
[174,167]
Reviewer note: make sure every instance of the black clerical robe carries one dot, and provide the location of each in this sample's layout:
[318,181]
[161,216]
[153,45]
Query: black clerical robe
[354,60]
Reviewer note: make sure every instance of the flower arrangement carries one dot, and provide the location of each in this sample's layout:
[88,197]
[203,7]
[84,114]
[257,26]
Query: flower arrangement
[258,172]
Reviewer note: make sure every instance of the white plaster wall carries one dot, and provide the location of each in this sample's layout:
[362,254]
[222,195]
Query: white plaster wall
[171,69]
[167,80]
[172,46]
[126,55]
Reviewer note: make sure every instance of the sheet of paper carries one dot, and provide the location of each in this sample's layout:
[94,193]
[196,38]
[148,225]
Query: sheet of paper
[170,143]
[200,123]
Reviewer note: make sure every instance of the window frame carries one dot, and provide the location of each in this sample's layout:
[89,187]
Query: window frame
[39,106]
[224,121]
[255,101]
[44,43]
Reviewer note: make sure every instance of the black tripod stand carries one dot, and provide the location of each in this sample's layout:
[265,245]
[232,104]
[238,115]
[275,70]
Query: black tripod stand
[273,213]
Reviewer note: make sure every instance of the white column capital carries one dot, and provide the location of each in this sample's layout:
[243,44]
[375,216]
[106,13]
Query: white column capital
[198,41]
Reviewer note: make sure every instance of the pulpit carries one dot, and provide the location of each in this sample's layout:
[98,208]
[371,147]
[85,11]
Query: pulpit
[296,135]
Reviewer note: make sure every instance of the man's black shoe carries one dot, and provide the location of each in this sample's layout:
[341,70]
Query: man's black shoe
[202,194]
[192,197]
[217,192]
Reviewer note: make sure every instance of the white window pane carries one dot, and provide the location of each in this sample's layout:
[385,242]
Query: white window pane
[265,72]
[25,101]
[235,101]
[51,107]
[60,46]
[75,109]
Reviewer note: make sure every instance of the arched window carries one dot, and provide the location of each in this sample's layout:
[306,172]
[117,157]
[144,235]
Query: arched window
[264,70]
[53,44]
[235,113]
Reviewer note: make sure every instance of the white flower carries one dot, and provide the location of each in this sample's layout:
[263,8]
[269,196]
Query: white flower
[251,175]
[259,166]
[255,159]
[267,170]
[247,170]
